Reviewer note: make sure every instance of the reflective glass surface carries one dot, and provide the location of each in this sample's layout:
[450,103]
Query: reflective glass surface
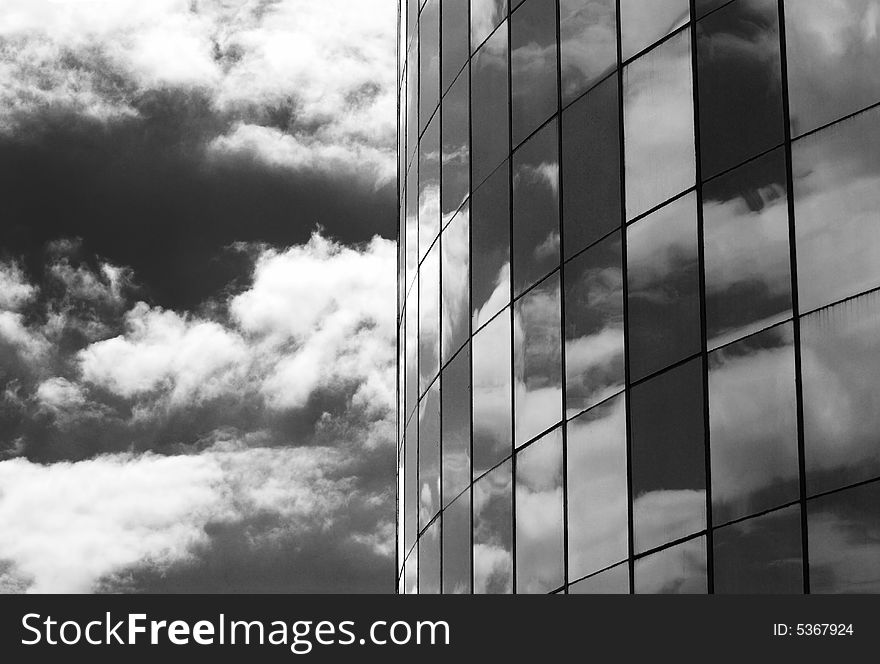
[760,556]
[668,457]
[456,147]
[643,23]
[429,455]
[747,256]
[844,530]
[588,36]
[841,362]
[533,66]
[664,287]
[537,361]
[412,353]
[539,521]
[493,532]
[490,247]
[594,343]
[411,484]
[454,39]
[833,51]
[429,318]
[455,285]
[753,425]
[485,16]
[429,560]
[429,187]
[597,489]
[658,120]
[678,570]
[740,84]
[837,210]
[614,581]
[455,411]
[429,61]
[457,546]
[489,105]
[536,208]
[411,574]
[591,167]
[492,414]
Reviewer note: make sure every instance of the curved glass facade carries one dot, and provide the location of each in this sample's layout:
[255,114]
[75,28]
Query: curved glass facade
[639,296]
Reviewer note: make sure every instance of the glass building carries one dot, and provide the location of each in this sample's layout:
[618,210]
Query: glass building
[639,296]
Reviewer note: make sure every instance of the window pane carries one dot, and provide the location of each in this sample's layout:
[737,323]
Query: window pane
[664,287]
[841,363]
[401,507]
[456,414]
[588,32]
[537,360]
[594,351]
[412,353]
[489,114]
[833,53]
[533,66]
[837,210]
[492,394]
[411,574]
[454,44]
[536,208]
[658,125]
[539,529]
[614,581]
[456,147]
[740,84]
[412,100]
[429,318]
[485,15]
[429,560]
[643,23]
[760,556]
[455,312]
[493,536]
[668,457]
[680,569]
[490,247]
[753,425]
[429,187]
[411,481]
[844,530]
[597,489]
[591,167]
[429,61]
[457,546]
[745,230]
[412,224]
[429,455]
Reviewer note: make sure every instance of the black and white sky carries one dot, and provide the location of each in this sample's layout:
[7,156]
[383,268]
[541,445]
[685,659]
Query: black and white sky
[197,285]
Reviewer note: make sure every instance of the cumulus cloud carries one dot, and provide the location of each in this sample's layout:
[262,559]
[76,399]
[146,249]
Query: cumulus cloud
[294,83]
[126,453]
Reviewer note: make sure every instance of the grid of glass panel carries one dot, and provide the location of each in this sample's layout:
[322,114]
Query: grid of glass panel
[639,296]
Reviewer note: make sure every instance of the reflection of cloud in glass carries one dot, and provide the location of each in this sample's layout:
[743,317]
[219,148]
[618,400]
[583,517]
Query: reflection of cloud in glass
[837,210]
[492,510]
[492,394]
[537,361]
[833,51]
[455,276]
[539,522]
[643,23]
[659,125]
[597,489]
[588,34]
[485,15]
[429,318]
[841,362]
[679,569]
[753,425]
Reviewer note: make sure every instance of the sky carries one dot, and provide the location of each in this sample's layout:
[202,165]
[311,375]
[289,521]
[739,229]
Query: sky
[197,287]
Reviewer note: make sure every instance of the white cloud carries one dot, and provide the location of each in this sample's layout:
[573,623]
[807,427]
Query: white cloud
[331,63]
[65,527]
